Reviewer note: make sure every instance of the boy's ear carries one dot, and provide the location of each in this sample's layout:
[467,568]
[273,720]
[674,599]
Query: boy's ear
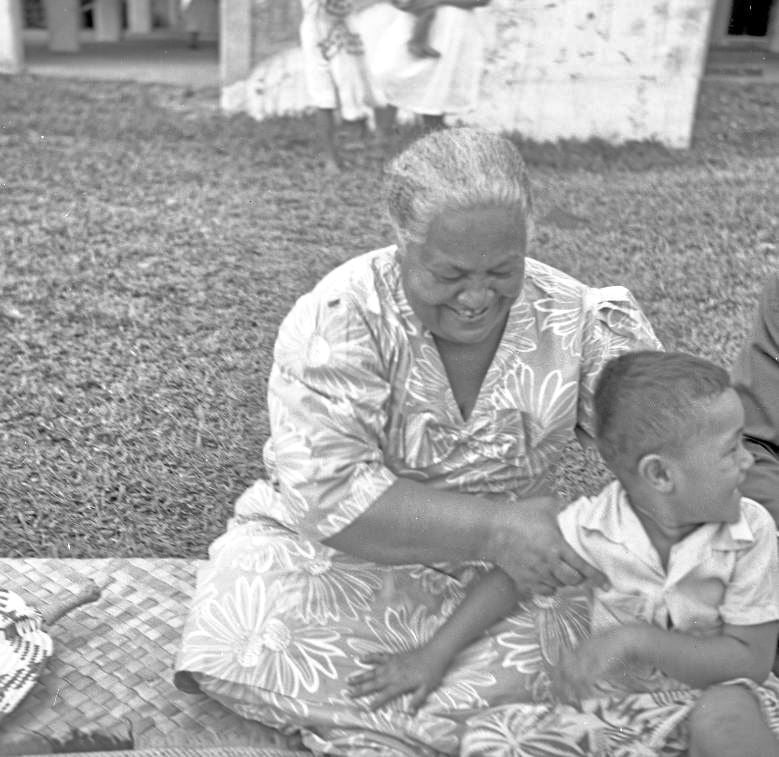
[654,470]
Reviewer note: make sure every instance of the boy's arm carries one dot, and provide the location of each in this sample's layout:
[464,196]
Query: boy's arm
[739,652]
[486,601]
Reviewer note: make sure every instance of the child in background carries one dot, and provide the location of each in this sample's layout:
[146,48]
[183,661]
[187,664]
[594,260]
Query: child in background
[756,379]
[693,599]
[337,75]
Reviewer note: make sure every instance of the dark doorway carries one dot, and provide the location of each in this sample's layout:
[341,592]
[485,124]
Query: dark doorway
[750,17]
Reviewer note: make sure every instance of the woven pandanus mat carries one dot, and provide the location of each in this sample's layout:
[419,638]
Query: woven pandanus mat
[111,673]
[230,751]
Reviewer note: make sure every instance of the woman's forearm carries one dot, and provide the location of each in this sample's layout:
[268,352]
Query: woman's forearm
[415,523]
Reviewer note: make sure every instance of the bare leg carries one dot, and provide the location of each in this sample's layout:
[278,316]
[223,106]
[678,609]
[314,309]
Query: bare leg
[385,127]
[728,721]
[419,45]
[325,123]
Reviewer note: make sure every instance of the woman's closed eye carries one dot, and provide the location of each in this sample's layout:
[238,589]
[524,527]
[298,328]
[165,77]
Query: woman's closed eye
[449,278]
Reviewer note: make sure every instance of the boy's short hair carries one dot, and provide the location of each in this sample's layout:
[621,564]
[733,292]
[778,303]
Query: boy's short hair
[649,401]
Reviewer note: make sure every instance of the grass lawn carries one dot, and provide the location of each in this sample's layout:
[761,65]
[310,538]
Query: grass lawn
[150,246]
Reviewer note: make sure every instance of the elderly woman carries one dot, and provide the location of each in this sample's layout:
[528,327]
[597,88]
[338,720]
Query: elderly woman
[419,400]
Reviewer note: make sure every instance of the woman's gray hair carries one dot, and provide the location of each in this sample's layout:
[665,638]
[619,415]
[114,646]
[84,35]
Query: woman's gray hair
[455,169]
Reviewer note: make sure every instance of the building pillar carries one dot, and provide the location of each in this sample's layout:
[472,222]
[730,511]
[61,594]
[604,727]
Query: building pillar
[720,22]
[63,20]
[139,16]
[235,52]
[108,20]
[11,47]
[174,14]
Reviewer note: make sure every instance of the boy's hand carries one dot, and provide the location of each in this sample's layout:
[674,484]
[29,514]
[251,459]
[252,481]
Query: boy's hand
[603,656]
[418,671]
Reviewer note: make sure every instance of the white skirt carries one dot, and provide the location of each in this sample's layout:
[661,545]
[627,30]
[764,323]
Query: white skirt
[429,86]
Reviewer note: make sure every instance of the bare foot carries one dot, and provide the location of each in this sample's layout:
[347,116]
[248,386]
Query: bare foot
[422,50]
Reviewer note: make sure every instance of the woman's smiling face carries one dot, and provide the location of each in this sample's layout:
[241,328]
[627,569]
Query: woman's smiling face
[463,279]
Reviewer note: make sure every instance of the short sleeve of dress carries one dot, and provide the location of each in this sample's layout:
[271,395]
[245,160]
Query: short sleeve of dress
[614,324]
[327,398]
[752,594]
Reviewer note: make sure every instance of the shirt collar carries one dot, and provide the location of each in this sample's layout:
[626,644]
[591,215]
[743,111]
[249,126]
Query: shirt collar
[618,522]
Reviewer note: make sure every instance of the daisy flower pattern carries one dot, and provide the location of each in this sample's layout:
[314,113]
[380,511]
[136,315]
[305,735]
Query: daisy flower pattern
[336,587]
[248,637]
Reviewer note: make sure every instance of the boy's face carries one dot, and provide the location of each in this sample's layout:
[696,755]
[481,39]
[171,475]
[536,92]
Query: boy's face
[712,465]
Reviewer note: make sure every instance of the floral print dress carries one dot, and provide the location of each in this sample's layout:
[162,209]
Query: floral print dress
[358,396]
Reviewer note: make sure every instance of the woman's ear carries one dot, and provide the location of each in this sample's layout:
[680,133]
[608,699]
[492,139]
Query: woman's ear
[654,470]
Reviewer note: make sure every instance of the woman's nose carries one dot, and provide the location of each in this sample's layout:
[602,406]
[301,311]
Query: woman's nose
[475,296]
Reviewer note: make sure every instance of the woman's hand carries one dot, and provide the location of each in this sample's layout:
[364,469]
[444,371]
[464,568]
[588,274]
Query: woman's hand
[527,544]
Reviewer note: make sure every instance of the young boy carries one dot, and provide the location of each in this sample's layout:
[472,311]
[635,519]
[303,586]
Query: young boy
[693,599]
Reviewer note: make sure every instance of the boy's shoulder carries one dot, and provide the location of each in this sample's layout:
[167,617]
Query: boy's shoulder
[599,512]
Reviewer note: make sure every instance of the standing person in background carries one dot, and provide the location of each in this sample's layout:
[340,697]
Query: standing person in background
[430,86]
[756,377]
[336,72]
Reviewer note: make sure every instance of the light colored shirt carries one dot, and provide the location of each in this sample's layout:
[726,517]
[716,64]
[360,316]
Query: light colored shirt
[720,573]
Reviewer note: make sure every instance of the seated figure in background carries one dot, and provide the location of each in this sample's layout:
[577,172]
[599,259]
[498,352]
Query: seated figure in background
[756,377]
